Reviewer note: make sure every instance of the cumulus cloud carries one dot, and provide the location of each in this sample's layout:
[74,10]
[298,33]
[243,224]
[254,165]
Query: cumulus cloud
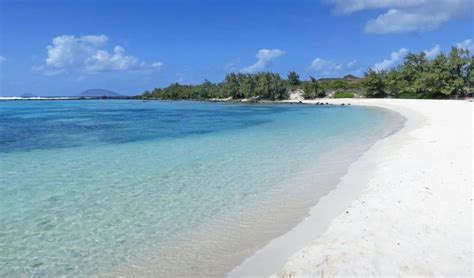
[401,16]
[467,44]
[2,59]
[87,54]
[265,58]
[432,53]
[399,21]
[395,58]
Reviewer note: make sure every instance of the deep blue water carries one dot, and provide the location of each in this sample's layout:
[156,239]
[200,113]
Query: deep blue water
[31,125]
[109,187]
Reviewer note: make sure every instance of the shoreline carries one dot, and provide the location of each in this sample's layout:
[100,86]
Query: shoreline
[229,244]
[342,234]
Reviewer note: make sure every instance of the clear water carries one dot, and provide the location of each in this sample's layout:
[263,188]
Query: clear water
[117,187]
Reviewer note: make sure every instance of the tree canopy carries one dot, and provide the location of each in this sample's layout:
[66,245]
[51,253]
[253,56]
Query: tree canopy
[445,76]
[293,78]
[265,85]
[312,89]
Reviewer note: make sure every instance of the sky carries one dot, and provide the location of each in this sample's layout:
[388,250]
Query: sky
[61,48]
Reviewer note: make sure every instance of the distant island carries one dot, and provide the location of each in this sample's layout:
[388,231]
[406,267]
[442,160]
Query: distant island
[87,94]
[442,77]
[28,95]
[99,93]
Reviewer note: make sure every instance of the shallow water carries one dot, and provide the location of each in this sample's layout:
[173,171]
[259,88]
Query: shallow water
[114,187]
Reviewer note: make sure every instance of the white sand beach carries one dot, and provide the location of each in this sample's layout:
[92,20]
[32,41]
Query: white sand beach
[404,208]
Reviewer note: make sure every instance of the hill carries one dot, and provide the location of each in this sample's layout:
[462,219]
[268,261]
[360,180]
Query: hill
[28,95]
[96,93]
[348,78]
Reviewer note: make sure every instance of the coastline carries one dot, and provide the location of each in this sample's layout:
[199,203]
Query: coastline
[226,248]
[395,212]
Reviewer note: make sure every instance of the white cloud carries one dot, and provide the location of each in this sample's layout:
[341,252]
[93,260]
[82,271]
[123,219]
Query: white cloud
[328,67]
[400,21]
[2,59]
[265,58]
[467,44]
[432,53]
[351,64]
[395,58]
[324,66]
[157,65]
[402,16]
[351,6]
[86,54]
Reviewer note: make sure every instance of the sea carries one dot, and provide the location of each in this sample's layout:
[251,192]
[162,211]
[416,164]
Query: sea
[165,188]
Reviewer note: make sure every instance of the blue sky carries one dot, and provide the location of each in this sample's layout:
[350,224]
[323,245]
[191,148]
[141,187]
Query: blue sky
[66,47]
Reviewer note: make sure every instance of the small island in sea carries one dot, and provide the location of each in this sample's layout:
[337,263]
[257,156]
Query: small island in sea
[99,93]
[28,95]
[236,139]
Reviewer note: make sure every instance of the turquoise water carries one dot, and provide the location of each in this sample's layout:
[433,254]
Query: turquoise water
[119,187]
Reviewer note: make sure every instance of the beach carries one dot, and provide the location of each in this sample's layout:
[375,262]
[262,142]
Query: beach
[403,208]
[239,139]
[381,187]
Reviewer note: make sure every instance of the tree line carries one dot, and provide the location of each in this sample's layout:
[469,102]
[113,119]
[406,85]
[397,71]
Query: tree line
[445,76]
[263,85]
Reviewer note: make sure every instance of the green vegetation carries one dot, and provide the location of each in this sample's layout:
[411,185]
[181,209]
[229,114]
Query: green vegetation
[312,89]
[343,95]
[177,91]
[374,84]
[335,84]
[446,76]
[265,85]
[293,79]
